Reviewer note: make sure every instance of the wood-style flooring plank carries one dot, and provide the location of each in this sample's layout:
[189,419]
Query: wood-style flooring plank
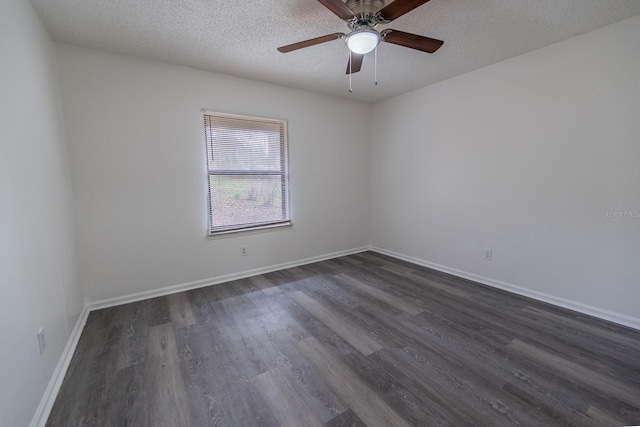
[286,404]
[369,407]
[129,406]
[364,313]
[205,406]
[442,337]
[404,395]
[158,311]
[355,336]
[447,389]
[265,285]
[133,339]
[578,331]
[351,259]
[347,418]
[409,273]
[392,300]
[596,415]
[180,310]
[601,383]
[275,350]
[168,404]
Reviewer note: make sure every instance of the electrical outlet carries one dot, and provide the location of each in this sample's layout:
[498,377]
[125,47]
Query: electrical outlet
[42,341]
[243,251]
[488,253]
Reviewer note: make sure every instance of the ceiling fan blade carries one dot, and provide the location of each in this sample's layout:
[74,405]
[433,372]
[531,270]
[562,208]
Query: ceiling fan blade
[339,8]
[412,41]
[397,8]
[355,64]
[310,42]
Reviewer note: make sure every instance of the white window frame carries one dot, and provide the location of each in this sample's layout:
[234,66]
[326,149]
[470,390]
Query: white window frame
[283,173]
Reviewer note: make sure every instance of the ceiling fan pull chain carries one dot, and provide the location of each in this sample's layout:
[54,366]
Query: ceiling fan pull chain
[350,88]
[375,66]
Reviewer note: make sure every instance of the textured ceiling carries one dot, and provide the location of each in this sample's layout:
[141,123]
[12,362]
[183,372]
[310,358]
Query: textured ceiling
[240,37]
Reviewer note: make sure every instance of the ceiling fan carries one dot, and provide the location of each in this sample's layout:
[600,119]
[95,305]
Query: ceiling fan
[362,17]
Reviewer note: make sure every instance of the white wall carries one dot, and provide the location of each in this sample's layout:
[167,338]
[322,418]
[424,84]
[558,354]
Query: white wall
[136,141]
[522,157]
[37,270]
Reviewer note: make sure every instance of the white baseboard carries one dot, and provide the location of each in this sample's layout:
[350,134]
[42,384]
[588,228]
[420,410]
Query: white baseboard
[110,302]
[49,397]
[589,310]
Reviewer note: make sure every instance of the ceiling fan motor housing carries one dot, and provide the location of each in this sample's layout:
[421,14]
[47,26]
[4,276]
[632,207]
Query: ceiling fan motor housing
[365,6]
[366,12]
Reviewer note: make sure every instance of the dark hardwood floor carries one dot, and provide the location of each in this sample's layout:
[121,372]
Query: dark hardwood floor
[362,340]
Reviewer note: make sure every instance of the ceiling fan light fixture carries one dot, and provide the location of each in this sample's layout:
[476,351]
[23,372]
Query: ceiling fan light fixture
[363,41]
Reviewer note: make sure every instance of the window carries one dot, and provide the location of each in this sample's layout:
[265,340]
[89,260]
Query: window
[248,172]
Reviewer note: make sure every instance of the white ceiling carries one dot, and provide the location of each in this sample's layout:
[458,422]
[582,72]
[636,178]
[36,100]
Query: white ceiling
[240,37]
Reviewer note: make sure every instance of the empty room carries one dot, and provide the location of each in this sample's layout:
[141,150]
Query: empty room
[320,213]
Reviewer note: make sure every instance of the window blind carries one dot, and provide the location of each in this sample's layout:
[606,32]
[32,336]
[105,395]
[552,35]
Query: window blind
[247,167]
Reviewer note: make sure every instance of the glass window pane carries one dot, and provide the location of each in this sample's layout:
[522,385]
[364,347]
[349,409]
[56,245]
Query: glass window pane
[243,200]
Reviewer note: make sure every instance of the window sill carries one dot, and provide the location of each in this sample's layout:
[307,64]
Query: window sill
[249,230]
